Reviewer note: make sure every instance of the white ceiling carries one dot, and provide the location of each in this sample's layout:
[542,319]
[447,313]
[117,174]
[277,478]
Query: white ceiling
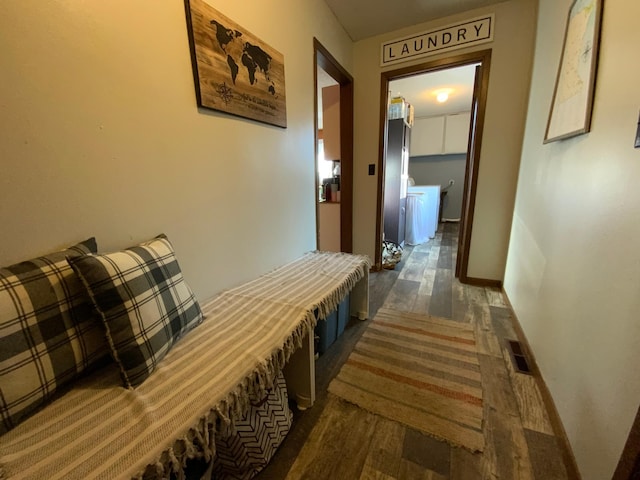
[421,90]
[324,79]
[366,18]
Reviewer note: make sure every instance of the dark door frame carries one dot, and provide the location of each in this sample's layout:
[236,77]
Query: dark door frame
[323,59]
[629,464]
[482,57]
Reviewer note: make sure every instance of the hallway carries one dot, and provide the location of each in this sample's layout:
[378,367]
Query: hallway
[337,440]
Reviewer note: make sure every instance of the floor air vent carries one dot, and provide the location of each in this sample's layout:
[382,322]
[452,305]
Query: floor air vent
[520,363]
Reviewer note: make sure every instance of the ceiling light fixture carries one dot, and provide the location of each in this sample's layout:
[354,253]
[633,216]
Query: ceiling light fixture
[442,97]
[442,94]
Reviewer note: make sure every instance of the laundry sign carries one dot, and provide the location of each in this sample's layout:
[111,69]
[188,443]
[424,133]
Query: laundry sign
[471,32]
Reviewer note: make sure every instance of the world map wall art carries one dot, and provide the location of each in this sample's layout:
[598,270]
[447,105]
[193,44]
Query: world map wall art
[234,72]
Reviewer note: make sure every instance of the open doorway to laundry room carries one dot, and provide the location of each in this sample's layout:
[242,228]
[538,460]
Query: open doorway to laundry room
[432,119]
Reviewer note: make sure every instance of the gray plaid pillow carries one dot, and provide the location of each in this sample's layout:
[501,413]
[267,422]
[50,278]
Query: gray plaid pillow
[49,332]
[144,302]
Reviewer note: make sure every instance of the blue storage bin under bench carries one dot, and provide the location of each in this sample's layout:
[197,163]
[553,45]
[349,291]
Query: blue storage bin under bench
[327,331]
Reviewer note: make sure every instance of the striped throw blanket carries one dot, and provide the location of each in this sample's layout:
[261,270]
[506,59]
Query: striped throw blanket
[100,430]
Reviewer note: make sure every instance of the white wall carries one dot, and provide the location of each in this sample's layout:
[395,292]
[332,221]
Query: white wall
[573,269]
[510,74]
[100,135]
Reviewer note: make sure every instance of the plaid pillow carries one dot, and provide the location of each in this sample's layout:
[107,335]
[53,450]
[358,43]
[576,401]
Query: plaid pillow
[144,302]
[49,332]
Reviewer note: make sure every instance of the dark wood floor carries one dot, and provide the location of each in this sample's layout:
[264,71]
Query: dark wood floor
[337,440]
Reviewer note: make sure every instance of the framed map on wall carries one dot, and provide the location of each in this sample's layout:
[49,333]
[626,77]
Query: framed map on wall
[572,102]
[234,71]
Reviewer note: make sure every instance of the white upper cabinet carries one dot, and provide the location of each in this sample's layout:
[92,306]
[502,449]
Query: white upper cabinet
[456,133]
[427,136]
[440,135]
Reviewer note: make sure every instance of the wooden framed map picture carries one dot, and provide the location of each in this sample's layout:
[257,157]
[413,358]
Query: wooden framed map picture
[572,102]
[234,72]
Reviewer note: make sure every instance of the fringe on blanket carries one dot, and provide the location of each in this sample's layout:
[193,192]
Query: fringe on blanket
[199,441]
[330,303]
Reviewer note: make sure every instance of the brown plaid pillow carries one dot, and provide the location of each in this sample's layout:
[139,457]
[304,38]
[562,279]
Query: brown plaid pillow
[144,302]
[49,332]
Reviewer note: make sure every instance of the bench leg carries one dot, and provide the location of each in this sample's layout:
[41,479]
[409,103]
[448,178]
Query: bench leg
[360,298]
[300,375]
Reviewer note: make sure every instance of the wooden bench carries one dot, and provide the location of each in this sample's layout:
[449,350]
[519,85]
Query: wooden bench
[101,430]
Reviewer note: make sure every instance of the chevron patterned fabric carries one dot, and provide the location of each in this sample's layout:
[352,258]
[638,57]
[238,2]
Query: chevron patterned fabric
[243,454]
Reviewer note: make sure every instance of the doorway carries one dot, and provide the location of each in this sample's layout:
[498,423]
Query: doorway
[336,194]
[475,122]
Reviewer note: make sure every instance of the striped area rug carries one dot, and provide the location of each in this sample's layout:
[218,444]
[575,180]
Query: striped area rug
[420,371]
